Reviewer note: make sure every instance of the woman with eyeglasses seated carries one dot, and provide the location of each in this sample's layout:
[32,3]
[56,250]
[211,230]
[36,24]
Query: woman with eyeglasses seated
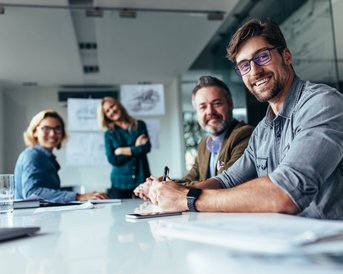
[36,170]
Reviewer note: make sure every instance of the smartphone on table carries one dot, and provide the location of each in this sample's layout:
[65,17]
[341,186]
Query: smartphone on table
[152,214]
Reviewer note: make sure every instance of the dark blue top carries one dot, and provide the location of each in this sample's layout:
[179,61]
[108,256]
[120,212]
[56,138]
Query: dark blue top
[127,171]
[36,173]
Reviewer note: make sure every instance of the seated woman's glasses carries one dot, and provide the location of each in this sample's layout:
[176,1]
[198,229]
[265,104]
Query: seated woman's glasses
[47,129]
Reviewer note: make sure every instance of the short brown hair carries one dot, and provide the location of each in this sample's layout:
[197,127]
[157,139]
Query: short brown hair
[29,138]
[269,30]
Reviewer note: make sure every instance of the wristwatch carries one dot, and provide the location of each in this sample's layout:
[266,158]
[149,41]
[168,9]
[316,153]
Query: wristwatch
[192,195]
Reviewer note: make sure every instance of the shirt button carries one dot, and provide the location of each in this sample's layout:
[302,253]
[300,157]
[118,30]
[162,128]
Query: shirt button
[133,176]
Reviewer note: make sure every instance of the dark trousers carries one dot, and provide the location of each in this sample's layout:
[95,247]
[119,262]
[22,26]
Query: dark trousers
[116,193]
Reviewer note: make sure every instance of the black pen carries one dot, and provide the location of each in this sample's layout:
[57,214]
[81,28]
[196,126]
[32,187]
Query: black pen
[165,173]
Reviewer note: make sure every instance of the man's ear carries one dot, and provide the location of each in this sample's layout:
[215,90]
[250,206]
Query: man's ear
[287,56]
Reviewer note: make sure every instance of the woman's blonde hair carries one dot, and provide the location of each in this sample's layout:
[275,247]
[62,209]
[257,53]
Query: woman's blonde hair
[104,122]
[29,138]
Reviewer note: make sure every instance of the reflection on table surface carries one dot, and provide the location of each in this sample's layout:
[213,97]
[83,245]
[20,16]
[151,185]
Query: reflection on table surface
[101,240]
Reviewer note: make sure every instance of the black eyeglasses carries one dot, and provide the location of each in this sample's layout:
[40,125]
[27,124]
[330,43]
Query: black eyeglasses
[47,129]
[260,58]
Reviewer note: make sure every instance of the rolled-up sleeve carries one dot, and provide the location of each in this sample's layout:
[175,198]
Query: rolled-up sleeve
[316,150]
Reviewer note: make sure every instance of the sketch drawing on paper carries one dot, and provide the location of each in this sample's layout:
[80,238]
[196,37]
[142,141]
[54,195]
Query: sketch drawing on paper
[86,113]
[82,114]
[144,100]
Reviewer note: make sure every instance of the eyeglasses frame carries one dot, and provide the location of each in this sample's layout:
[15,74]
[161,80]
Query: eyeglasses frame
[238,72]
[58,130]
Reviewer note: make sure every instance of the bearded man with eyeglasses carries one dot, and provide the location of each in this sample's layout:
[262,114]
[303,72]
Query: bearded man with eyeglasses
[294,160]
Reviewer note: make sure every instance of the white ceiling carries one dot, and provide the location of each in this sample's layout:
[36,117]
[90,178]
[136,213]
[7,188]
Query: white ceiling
[41,44]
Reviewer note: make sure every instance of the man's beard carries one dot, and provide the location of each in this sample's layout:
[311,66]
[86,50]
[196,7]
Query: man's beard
[275,91]
[261,97]
[218,129]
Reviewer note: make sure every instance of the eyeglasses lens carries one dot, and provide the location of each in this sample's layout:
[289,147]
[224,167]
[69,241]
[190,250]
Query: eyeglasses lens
[47,129]
[260,58]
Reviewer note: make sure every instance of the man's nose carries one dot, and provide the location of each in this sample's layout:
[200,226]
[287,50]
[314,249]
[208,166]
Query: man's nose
[254,68]
[210,109]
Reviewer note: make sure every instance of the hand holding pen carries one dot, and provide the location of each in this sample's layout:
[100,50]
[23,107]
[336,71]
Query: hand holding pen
[165,173]
[143,189]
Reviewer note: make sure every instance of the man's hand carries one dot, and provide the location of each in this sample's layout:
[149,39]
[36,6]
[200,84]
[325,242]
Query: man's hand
[168,195]
[142,190]
[91,196]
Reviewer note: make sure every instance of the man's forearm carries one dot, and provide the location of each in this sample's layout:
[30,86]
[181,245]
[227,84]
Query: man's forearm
[258,195]
[207,184]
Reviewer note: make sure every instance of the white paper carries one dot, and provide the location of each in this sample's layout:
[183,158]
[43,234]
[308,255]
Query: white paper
[87,205]
[143,99]
[86,149]
[153,126]
[82,114]
[105,201]
[262,234]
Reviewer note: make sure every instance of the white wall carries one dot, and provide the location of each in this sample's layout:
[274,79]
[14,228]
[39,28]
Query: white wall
[22,103]
[1,131]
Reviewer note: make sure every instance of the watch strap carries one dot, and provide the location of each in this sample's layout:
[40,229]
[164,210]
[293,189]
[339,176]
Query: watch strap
[192,195]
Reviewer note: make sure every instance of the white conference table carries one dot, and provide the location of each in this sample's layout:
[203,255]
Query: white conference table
[102,240]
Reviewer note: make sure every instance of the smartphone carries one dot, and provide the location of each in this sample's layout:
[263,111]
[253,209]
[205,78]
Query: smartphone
[151,215]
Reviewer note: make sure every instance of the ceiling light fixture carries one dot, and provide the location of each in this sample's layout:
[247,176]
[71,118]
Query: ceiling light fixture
[215,16]
[94,12]
[126,13]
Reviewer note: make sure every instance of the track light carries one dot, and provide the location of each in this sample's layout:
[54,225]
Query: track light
[215,16]
[94,12]
[125,13]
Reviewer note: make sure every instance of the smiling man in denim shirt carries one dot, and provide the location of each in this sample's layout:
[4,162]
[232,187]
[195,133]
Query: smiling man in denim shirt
[293,163]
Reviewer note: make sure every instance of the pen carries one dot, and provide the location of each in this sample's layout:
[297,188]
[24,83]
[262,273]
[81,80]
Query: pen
[165,173]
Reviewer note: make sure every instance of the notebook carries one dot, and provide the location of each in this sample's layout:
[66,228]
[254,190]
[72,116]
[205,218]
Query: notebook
[33,203]
[26,203]
[9,233]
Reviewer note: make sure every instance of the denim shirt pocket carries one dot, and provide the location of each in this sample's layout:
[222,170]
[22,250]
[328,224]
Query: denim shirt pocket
[262,166]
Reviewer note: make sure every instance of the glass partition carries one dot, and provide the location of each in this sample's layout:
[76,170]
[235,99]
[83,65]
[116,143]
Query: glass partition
[308,27]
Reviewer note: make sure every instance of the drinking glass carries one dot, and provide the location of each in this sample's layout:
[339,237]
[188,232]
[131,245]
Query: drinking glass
[6,193]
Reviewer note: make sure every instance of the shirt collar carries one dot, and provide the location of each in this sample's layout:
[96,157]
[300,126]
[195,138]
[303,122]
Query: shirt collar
[213,144]
[44,150]
[289,104]
[48,154]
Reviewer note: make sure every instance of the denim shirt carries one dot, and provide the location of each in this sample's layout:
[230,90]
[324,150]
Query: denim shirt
[36,173]
[300,150]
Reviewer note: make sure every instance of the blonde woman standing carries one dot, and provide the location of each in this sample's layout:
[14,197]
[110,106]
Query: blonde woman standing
[127,145]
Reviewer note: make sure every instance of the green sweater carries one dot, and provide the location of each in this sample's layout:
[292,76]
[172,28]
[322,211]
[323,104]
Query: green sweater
[127,171]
